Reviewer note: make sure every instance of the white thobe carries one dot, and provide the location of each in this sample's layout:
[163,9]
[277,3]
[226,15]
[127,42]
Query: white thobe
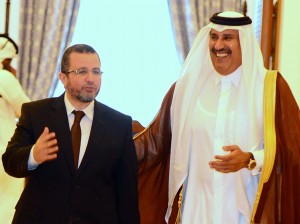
[210,196]
[12,97]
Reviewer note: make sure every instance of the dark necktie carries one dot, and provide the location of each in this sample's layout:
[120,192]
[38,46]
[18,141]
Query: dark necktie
[76,135]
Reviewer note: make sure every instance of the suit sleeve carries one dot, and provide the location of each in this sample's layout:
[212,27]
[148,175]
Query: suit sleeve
[15,158]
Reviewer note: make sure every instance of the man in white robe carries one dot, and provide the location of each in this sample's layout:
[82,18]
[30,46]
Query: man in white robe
[225,146]
[12,96]
[217,131]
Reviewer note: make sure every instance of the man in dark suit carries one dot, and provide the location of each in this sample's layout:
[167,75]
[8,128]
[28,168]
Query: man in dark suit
[102,187]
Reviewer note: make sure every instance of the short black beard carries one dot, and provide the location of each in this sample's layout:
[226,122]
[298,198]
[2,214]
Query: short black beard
[79,96]
[86,99]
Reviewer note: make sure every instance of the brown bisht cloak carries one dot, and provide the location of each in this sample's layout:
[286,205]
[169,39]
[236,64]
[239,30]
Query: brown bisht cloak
[278,195]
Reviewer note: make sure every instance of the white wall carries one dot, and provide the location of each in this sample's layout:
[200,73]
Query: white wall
[289,45]
[13,19]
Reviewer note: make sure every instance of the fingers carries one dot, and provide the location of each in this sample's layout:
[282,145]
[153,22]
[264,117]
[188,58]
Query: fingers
[46,147]
[232,162]
[230,147]
[233,151]
[46,136]
[224,166]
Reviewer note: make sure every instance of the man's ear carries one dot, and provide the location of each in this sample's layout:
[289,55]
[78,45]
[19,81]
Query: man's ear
[62,77]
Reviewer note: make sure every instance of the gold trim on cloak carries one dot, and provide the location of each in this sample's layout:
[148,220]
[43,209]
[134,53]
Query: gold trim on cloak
[269,134]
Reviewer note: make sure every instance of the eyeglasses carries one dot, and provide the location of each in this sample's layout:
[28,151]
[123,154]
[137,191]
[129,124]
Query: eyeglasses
[85,71]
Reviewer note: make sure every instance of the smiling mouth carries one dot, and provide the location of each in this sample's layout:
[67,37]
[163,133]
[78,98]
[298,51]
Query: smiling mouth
[222,55]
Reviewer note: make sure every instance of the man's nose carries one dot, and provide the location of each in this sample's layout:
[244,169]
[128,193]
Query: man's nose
[219,44]
[90,76]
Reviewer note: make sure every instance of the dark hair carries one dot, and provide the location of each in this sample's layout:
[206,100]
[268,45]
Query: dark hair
[78,48]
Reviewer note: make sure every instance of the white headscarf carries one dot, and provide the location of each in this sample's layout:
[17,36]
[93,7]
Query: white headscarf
[7,50]
[196,68]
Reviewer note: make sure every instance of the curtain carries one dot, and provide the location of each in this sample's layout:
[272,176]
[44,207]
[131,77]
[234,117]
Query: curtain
[189,16]
[46,30]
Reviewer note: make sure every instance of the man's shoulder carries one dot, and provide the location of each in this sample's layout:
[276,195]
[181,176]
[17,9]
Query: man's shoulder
[276,85]
[106,110]
[7,78]
[275,78]
[41,103]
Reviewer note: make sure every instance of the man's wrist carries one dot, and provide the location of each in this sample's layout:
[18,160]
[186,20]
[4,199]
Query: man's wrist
[251,162]
[32,163]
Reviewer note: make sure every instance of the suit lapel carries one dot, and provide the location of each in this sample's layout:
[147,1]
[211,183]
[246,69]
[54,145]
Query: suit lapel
[60,120]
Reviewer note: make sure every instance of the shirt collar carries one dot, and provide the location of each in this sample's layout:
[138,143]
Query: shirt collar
[234,77]
[89,110]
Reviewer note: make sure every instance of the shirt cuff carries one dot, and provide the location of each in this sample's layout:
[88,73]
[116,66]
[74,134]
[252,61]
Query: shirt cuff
[32,164]
[259,158]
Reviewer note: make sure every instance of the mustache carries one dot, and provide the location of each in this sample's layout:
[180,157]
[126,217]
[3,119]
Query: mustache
[222,50]
[89,86]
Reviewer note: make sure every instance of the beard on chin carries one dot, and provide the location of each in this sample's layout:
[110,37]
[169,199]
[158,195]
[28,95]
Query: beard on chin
[85,98]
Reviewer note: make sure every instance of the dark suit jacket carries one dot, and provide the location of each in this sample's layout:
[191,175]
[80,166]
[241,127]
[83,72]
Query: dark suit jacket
[103,189]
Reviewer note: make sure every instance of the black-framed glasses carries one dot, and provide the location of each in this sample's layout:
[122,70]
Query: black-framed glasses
[85,71]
